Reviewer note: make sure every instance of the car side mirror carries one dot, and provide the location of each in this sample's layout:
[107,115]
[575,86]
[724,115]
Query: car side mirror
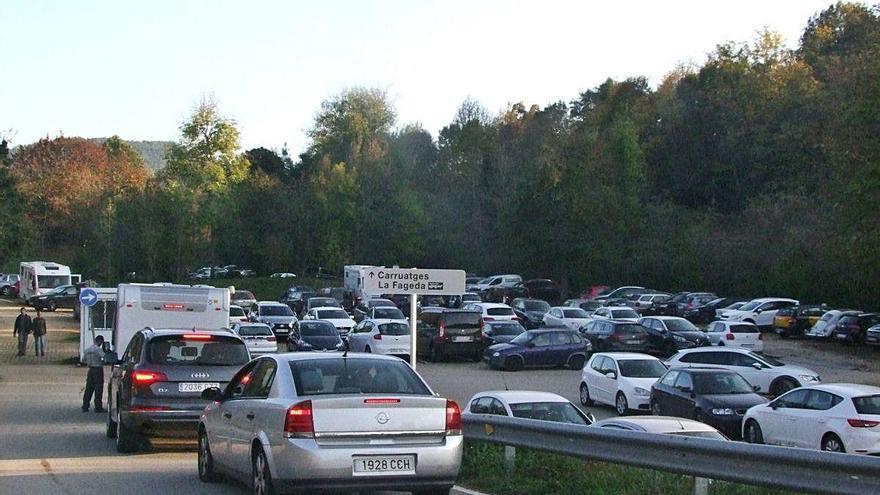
[773,405]
[530,344]
[212,394]
[612,375]
[758,311]
[757,366]
[756,388]
[686,390]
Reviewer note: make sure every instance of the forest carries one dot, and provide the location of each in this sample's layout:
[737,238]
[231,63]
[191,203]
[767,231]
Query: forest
[756,173]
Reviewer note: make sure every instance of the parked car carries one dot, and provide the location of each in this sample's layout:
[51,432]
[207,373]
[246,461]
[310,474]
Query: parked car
[735,334]
[237,315]
[872,336]
[691,301]
[771,376]
[364,308]
[827,324]
[243,298]
[621,313]
[713,396]
[622,292]
[390,337]
[492,311]
[667,307]
[315,335]
[542,406]
[320,302]
[154,390]
[571,318]
[456,302]
[494,281]
[504,293]
[257,336]
[336,317]
[706,312]
[795,321]
[8,284]
[616,335]
[531,312]
[442,332]
[282,275]
[500,332]
[663,425]
[669,334]
[543,288]
[620,379]
[539,348]
[278,316]
[644,303]
[296,296]
[270,427]
[758,311]
[854,328]
[838,417]
[587,305]
[63,296]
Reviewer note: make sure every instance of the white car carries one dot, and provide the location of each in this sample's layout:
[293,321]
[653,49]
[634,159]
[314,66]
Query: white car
[824,328]
[769,375]
[732,307]
[644,301]
[735,334]
[492,311]
[391,337]
[620,379]
[338,317]
[282,275]
[664,425]
[758,311]
[495,281]
[542,406]
[257,336]
[572,318]
[620,313]
[237,315]
[838,417]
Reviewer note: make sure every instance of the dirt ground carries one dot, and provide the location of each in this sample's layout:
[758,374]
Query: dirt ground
[62,339]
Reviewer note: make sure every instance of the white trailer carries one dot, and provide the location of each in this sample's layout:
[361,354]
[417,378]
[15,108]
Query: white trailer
[353,281]
[167,306]
[40,277]
[97,319]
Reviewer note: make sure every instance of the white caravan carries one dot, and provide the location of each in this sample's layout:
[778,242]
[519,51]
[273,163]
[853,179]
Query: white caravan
[40,277]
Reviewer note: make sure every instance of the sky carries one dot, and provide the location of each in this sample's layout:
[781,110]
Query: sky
[137,69]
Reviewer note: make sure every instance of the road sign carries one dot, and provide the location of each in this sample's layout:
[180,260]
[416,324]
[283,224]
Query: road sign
[413,281]
[88,297]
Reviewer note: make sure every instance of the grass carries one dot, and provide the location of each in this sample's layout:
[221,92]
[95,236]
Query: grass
[539,473]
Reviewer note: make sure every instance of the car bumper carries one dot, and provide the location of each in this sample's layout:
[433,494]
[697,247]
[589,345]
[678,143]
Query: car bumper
[872,339]
[166,424]
[461,348]
[730,425]
[302,465]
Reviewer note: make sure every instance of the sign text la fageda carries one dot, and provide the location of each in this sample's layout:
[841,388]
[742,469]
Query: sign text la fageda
[413,281]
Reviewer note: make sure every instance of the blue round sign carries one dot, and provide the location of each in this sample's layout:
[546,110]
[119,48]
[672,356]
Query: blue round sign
[88,297]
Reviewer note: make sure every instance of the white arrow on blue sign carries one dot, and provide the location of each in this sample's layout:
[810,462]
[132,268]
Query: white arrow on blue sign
[88,297]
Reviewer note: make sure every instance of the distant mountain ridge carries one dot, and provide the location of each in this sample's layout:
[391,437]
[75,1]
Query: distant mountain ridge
[153,152]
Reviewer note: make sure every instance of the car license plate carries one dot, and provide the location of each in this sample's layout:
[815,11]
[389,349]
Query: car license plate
[466,338]
[748,345]
[633,342]
[841,336]
[386,464]
[196,387]
[871,339]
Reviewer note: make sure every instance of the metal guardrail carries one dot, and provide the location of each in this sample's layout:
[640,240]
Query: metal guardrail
[762,465]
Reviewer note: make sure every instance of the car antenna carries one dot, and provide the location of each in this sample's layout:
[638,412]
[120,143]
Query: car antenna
[504,381]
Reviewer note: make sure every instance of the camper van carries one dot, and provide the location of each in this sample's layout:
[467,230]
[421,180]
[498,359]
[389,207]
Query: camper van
[167,306]
[40,277]
[353,280]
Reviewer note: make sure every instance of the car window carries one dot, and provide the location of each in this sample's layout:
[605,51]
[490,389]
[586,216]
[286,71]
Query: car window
[684,381]
[820,400]
[331,314]
[279,310]
[560,412]
[704,358]
[354,375]
[496,407]
[670,377]
[198,350]
[867,405]
[236,312]
[461,319]
[254,330]
[744,329]
[641,368]
[716,327]
[394,329]
[559,338]
[542,340]
[795,399]
[737,359]
[499,311]
[481,405]
[575,313]
[385,313]
[316,329]
[235,388]
[260,381]
[624,313]
[597,363]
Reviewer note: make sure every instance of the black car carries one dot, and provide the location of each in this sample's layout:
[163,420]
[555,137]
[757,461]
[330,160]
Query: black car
[668,307]
[314,335]
[155,388]
[63,296]
[545,289]
[705,313]
[717,397]
[530,311]
[443,332]
[500,331]
[611,335]
[691,301]
[667,335]
[296,297]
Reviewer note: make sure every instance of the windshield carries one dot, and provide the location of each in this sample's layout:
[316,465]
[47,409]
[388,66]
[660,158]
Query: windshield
[198,350]
[574,313]
[536,306]
[499,312]
[511,328]
[461,320]
[750,306]
[680,326]
[275,311]
[59,289]
[316,329]
[236,311]
[52,281]
[355,376]
[243,294]
[317,302]
[522,338]
[394,329]
[376,303]
[253,330]
[641,368]
[590,305]
[559,412]
[720,383]
[623,313]
[388,314]
[867,405]
[332,314]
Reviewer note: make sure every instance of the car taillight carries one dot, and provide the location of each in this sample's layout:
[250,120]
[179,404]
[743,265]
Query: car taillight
[760,336]
[860,423]
[146,378]
[453,418]
[197,336]
[299,421]
[378,336]
[271,339]
[442,330]
[729,336]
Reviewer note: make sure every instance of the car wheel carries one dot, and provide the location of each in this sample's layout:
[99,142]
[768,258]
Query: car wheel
[6,291]
[620,404]
[655,408]
[753,433]
[111,425]
[586,400]
[513,363]
[262,478]
[576,362]
[782,385]
[832,443]
[433,491]
[367,350]
[126,438]
[51,306]
[206,462]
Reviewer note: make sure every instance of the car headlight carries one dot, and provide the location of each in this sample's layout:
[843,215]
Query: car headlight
[809,378]
[496,354]
[725,411]
[641,391]
[679,339]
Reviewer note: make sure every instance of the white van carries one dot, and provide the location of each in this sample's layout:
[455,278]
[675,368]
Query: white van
[40,277]
[167,306]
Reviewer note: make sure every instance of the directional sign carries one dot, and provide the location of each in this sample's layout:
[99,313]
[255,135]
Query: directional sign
[88,297]
[413,281]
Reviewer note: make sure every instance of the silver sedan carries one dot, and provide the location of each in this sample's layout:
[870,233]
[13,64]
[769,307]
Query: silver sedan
[336,421]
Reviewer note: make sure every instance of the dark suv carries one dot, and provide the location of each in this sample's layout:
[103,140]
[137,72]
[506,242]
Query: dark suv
[155,389]
[296,297]
[449,331]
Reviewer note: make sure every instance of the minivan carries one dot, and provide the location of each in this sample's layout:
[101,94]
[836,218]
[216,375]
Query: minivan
[443,332]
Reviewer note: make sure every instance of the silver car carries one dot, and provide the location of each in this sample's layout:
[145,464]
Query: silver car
[336,421]
[257,336]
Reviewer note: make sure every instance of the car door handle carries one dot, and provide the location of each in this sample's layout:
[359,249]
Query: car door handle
[249,416]
[227,415]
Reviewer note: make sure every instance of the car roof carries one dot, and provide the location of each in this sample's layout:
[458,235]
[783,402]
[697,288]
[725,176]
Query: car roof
[626,356]
[715,349]
[848,389]
[159,332]
[657,424]
[701,370]
[305,356]
[768,299]
[382,321]
[322,308]
[488,305]
[548,329]
[666,318]
[620,306]
[271,303]
[520,396]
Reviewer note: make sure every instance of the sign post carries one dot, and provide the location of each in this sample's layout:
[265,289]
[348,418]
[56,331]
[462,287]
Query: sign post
[414,282]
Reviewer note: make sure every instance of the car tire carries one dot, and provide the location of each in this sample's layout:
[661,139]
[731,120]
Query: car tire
[655,408]
[111,425]
[513,363]
[832,443]
[576,362]
[126,438]
[753,433]
[261,477]
[207,473]
[433,491]
[368,350]
[586,400]
[6,291]
[782,385]
[51,307]
[620,404]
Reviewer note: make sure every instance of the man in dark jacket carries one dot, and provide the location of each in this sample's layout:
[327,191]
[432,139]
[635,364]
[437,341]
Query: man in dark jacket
[38,327]
[22,328]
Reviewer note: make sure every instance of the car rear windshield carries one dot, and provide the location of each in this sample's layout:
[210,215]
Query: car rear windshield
[461,320]
[641,368]
[499,312]
[512,328]
[574,313]
[623,313]
[253,330]
[279,310]
[394,329]
[243,294]
[236,311]
[744,329]
[322,301]
[869,404]
[379,303]
[198,350]
[388,314]
[681,326]
[559,412]
[316,329]
[355,376]
[632,329]
[536,306]
[332,314]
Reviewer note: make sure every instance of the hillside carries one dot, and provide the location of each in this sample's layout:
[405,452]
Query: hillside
[153,152]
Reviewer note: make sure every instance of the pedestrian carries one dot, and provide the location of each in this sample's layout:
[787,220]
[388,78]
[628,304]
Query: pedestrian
[22,328]
[38,328]
[94,359]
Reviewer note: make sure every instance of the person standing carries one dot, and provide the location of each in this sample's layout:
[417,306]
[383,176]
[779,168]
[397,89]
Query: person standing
[38,328]
[22,328]
[93,358]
